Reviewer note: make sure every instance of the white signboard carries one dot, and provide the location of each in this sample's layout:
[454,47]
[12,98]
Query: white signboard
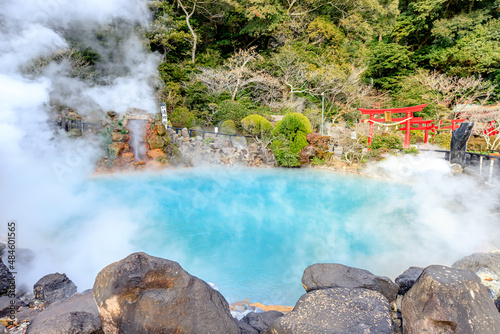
[163,109]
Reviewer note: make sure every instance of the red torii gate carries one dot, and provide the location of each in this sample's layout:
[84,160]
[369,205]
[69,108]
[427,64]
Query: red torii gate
[408,120]
[425,126]
[454,124]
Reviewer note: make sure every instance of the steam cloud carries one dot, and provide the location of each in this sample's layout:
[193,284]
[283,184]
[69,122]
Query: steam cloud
[41,170]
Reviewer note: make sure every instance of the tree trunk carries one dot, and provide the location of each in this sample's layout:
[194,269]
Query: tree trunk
[188,17]
[195,39]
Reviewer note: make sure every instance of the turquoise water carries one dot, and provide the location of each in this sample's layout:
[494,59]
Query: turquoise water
[252,232]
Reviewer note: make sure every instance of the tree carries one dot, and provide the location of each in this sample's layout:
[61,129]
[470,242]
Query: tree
[291,71]
[165,31]
[236,74]
[342,88]
[189,13]
[486,124]
[453,92]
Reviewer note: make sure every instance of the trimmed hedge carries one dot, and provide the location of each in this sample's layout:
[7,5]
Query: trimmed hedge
[257,126]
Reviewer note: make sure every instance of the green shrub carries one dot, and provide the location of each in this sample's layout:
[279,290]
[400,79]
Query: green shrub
[315,161]
[291,124]
[442,139]
[181,117]
[416,137]
[231,110]
[299,142]
[291,132]
[386,140]
[411,150]
[257,126]
[228,127]
[283,154]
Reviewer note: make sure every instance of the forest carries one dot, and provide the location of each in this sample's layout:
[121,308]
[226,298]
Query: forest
[225,60]
[283,55]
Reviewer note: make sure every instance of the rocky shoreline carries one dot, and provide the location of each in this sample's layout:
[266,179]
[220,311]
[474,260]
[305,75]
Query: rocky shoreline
[146,294]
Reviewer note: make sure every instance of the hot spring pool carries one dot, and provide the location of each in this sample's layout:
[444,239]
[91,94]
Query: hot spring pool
[252,232]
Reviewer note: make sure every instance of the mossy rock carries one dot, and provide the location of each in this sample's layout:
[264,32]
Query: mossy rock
[119,137]
[160,129]
[156,142]
[163,160]
[166,139]
[114,150]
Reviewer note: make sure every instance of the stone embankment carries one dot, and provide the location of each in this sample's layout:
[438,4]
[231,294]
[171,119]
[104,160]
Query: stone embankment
[164,147]
[146,294]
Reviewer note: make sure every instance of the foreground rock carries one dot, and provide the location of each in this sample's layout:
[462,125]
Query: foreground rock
[146,294]
[449,300]
[337,310]
[53,287]
[406,280]
[334,275]
[5,278]
[487,267]
[77,314]
[259,322]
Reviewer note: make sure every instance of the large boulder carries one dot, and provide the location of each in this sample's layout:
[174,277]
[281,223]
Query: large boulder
[53,287]
[337,310]
[146,294]
[406,280]
[335,275]
[449,300]
[75,315]
[487,267]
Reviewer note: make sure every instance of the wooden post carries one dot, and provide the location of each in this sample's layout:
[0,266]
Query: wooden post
[480,165]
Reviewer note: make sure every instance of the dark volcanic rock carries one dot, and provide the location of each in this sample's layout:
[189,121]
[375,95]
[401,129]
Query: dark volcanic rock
[406,280]
[449,300]
[261,321]
[5,278]
[487,267]
[75,315]
[246,328]
[337,310]
[334,275]
[146,294]
[10,305]
[53,287]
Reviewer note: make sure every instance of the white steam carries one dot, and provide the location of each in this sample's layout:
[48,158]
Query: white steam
[41,170]
[456,214]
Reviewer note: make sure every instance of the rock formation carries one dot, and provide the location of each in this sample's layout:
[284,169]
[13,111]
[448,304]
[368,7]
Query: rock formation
[53,287]
[146,294]
[449,300]
[334,275]
[337,310]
